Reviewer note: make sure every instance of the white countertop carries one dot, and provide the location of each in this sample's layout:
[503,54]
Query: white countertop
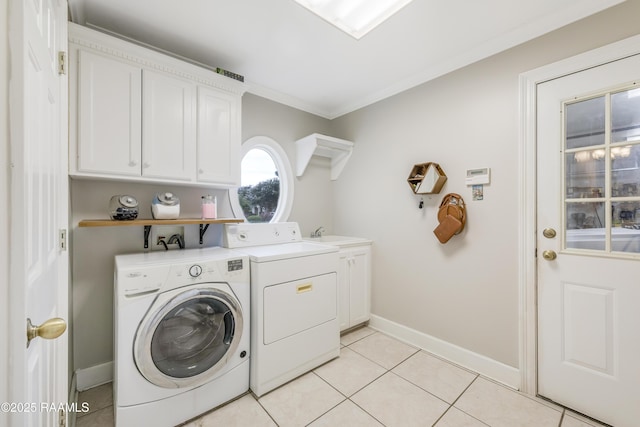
[341,241]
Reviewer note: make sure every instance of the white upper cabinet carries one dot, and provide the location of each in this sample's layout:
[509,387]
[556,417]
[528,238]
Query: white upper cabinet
[139,115]
[109,99]
[168,127]
[218,157]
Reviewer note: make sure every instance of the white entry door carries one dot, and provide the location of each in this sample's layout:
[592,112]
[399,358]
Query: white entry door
[37,378]
[588,241]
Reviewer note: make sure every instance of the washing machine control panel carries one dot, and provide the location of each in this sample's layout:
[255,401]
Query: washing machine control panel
[207,271]
[143,274]
[195,270]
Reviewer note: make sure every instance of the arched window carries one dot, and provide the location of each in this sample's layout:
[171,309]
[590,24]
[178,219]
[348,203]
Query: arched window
[266,182]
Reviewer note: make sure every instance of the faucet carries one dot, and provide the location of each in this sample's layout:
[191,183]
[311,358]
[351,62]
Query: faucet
[318,232]
[176,238]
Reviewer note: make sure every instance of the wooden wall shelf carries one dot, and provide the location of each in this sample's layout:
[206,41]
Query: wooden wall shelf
[147,223]
[179,221]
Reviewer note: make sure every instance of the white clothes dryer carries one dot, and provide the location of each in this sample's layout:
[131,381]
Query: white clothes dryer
[294,301]
[181,329]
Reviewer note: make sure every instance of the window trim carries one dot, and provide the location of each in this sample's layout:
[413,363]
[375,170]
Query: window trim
[285,173]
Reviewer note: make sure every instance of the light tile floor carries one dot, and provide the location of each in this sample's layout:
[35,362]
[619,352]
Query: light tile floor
[376,381]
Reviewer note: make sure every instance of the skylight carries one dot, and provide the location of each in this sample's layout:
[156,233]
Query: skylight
[354,17]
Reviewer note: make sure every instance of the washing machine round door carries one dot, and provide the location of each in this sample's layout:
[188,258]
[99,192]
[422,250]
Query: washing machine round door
[187,336]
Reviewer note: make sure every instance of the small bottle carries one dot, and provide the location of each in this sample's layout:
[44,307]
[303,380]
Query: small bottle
[209,210]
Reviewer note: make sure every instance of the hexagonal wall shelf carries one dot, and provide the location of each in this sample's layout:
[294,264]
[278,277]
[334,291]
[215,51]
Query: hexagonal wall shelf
[427,178]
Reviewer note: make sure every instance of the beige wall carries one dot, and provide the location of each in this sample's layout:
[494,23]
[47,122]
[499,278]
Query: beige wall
[464,292]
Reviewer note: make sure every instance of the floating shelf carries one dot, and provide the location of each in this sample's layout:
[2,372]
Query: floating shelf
[113,223]
[147,223]
[338,150]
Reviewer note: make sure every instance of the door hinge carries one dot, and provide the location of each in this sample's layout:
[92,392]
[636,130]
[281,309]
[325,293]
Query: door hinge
[63,239]
[62,62]
[62,421]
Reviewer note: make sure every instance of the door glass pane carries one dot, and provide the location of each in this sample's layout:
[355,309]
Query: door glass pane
[192,337]
[585,123]
[625,174]
[584,174]
[625,232]
[625,116]
[585,225]
[602,173]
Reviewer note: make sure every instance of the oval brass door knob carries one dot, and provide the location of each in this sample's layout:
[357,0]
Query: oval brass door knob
[549,233]
[49,330]
[549,255]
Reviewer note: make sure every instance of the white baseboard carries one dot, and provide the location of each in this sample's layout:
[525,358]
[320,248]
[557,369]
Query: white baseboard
[497,371]
[94,376]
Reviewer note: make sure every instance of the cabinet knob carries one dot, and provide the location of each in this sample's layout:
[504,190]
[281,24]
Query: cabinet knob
[200,171]
[133,163]
[146,165]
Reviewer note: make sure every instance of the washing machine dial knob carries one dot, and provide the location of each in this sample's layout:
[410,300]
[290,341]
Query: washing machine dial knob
[195,270]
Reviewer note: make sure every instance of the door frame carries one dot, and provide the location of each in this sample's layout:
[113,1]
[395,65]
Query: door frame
[4,211]
[527,222]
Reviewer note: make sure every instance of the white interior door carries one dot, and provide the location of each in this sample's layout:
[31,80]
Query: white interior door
[588,192]
[38,380]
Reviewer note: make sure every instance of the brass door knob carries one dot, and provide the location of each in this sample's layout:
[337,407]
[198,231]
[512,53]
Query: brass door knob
[549,233]
[549,255]
[49,330]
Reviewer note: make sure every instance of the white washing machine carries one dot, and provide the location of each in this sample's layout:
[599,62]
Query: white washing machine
[181,329]
[294,301]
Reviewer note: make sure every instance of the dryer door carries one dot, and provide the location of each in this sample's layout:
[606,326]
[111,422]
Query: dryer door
[187,336]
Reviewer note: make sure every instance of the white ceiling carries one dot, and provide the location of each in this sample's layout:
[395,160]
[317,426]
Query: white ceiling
[291,56]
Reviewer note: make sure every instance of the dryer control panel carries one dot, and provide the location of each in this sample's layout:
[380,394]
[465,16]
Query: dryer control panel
[246,235]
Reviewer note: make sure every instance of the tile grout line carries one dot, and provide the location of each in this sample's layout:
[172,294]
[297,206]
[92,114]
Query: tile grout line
[263,408]
[417,350]
[564,411]
[387,371]
[353,394]
[458,398]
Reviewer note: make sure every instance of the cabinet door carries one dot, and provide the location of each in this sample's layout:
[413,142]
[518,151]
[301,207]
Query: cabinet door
[108,114]
[343,290]
[218,157]
[168,127]
[359,285]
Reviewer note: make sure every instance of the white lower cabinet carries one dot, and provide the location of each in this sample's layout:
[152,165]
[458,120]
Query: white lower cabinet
[139,115]
[354,285]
